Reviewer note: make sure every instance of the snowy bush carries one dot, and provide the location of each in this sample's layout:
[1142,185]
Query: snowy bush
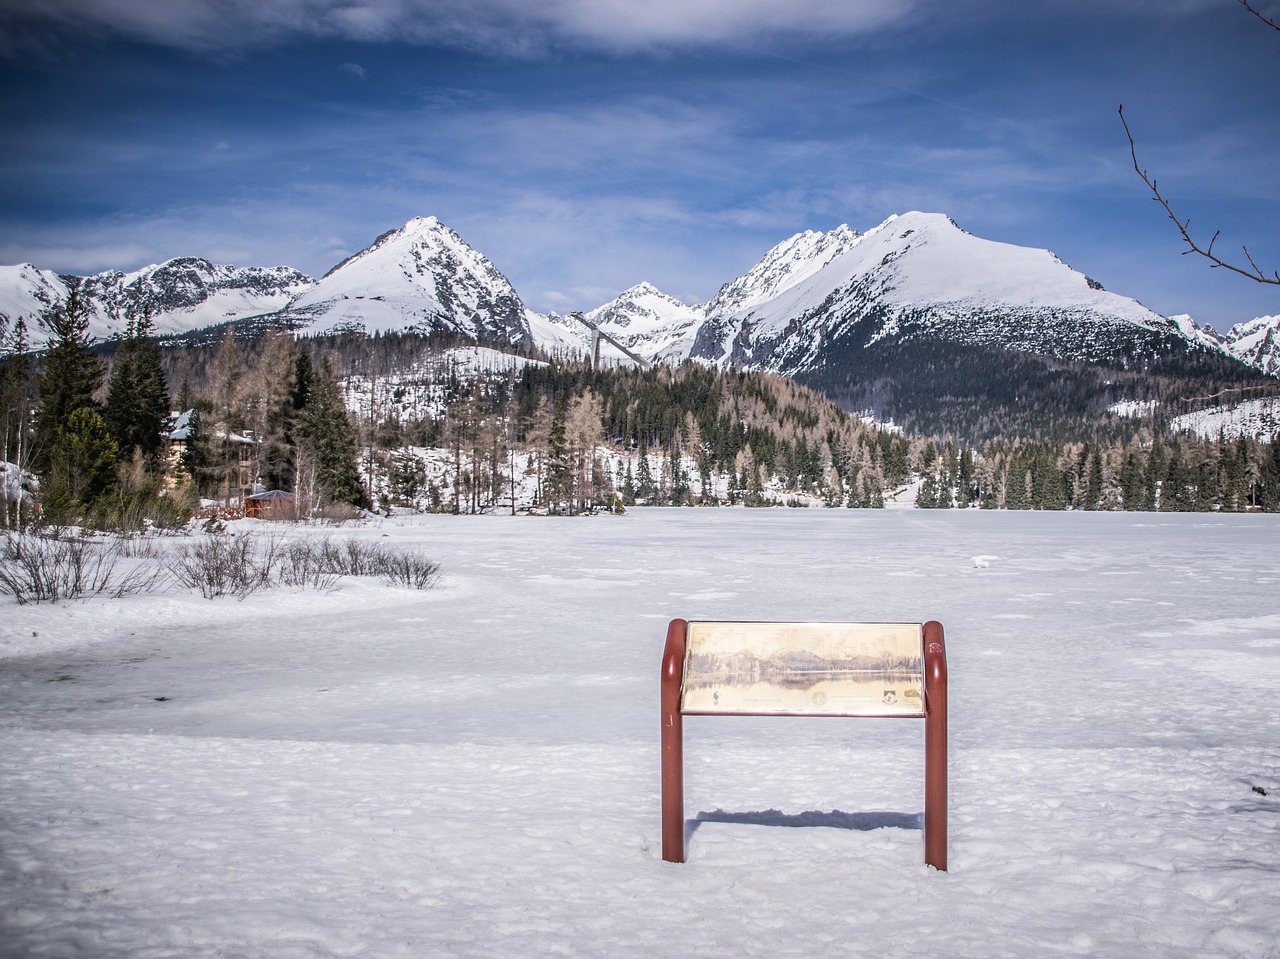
[410,569]
[356,557]
[222,565]
[301,565]
[37,569]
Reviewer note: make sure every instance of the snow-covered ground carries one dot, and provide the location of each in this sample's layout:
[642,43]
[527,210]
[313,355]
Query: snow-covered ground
[473,770]
[1259,419]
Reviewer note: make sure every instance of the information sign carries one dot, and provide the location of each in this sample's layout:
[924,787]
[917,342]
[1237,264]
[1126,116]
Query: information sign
[805,669]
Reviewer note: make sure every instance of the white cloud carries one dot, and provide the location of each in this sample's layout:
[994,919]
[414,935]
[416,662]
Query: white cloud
[93,256]
[507,26]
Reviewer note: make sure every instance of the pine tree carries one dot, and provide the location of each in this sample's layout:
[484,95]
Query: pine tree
[1093,496]
[70,377]
[137,395]
[84,458]
[629,487]
[646,489]
[15,387]
[556,486]
[1269,478]
[1134,489]
[329,439]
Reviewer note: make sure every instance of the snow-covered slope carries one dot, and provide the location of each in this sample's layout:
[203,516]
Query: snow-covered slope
[422,276]
[421,388]
[1256,418]
[182,294]
[189,293]
[917,275]
[649,322]
[789,264]
[27,291]
[1257,342]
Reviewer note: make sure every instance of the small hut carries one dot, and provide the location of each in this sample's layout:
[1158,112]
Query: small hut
[273,504]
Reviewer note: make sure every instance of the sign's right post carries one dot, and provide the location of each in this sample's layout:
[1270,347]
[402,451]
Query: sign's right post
[935,746]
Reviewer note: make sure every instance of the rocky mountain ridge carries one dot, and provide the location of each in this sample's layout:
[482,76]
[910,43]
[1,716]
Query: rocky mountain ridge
[182,294]
[874,319]
[916,274]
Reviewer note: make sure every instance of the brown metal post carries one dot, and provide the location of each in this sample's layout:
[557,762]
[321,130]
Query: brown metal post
[673,742]
[935,746]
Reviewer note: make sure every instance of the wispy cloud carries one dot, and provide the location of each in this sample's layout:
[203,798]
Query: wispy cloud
[506,26]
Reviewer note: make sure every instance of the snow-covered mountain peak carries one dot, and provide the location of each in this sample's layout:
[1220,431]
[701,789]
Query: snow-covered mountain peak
[1257,342]
[419,233]
[914,275]
[790,262]
[928,258]
[180,294]
[27,291]
[643,288]
[649,322]
[422,275]
[423,224]
[640,308]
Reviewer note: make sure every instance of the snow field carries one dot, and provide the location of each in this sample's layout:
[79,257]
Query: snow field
[473,771]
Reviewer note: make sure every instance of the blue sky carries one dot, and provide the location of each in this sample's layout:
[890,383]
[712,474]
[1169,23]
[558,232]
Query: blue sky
[586,145]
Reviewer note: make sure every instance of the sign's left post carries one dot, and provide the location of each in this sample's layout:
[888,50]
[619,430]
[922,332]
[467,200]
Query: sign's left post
[673,741]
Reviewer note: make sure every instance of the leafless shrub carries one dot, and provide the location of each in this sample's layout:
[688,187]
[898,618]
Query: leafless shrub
[36,569]
[222,565]
[357,557]
[39,569]
[410,569]
[362,558]
[301,564]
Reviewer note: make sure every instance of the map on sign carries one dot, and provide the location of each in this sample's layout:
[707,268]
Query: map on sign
[805,669]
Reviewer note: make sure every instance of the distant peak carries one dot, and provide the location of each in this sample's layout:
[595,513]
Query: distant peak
[420,224]
[643,288]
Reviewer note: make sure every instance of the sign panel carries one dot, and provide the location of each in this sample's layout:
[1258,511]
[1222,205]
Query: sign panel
[804,669]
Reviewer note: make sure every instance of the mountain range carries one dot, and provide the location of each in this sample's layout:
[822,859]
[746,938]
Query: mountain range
[878,319]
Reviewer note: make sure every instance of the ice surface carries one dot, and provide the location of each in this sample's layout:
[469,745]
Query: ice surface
[473,771]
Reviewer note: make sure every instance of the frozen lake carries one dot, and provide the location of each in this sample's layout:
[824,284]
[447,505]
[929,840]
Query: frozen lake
[473,770]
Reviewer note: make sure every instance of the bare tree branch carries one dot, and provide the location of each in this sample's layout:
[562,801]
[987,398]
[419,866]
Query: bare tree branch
[1267,20]
[1253,271]
[1230,391]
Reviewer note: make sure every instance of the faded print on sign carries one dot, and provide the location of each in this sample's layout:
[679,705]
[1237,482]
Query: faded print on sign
[808,669]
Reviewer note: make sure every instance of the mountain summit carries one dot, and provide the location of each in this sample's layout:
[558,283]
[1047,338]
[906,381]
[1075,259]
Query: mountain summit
[422,276]
[917,275]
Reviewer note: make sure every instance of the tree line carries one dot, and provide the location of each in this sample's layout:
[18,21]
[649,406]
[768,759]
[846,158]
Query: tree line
[431,422]
[1169,473]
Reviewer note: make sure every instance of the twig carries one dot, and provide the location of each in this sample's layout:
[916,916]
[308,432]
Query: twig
[1226,391]
[1267,20]
[1184,226]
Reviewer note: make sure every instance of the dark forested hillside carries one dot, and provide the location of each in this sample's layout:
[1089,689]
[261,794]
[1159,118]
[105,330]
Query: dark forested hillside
[979,394]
